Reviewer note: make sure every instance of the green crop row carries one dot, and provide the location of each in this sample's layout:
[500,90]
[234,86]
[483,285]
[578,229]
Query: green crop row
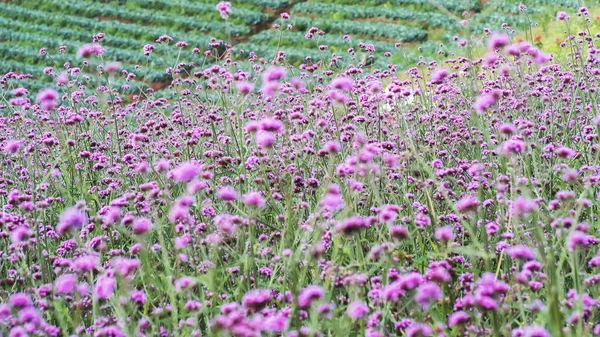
[571,4]
[271,37]
[271,4]
[140,16]
[114,30]
[351,12]
[204,11]
[452,5]
[41,80]
[298,55]
[25,47]
[396,32]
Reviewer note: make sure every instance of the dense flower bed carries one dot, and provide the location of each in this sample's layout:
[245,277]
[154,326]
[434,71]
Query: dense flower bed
[336,198]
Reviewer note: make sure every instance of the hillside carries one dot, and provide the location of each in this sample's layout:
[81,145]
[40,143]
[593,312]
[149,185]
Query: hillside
[378,26]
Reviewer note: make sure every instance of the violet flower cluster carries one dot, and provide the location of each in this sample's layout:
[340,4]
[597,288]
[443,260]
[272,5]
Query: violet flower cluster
[457,198]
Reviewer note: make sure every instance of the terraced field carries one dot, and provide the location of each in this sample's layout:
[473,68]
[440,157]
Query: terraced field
[371,28]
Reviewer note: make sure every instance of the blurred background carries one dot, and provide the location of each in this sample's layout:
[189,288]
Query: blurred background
[412,29]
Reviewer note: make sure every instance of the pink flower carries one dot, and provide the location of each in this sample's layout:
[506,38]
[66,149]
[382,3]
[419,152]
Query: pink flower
[185,172]
[342,83]
[254,199]
[12,146]
[88,50]
[265,139]
[273,74]
[227,193]
[308,295]
[357,310]
[439,75]
[104,287]
[71,219]
[244,87]
[428,293]
[444,234]
[65,284]
[458,318]
[562,16]
[521,252]
[47,98]
[255,300]
[224,8]
[497,41]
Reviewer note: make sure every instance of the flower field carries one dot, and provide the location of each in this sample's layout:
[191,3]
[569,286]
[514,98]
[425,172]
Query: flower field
[297,180]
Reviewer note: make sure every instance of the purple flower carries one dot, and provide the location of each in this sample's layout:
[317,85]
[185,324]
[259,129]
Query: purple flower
[458,318]
[483,102]
[141,225]
[308,295]
[342,83]
[224,8]
[86,263]
[271,125]
[71,219]
[125,267]
[439,75]
[578,240]
[227,193]
[419,330]
[65,284]
[428,293]
[357,310]
[20,301]
[536,331]
[256,300]
[185,172]
[352,225]
[523,206]
[104,286]
[467,204]
[12,146]
[244,87]
[254,199]
[444,234]
[333,200]
[47,98]
[88,50]
[497,41]
[562,16]
[273,74]
[110,331]
[265,139]
[399,232]
[521,252]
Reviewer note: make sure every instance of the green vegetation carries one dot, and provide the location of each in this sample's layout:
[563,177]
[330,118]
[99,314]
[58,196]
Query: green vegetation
[26,26]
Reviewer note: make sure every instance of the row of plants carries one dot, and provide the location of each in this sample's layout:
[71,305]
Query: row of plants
[396,32]
[261,4]
[297,55]
[22,47]
[123,35]
[451,5]
[571,4]
[40,80]
[402,55]
[493,20]
[514,8]
[72,34]
[298,39]
[293,55]
[204,11]
[140,16]
[432,19]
